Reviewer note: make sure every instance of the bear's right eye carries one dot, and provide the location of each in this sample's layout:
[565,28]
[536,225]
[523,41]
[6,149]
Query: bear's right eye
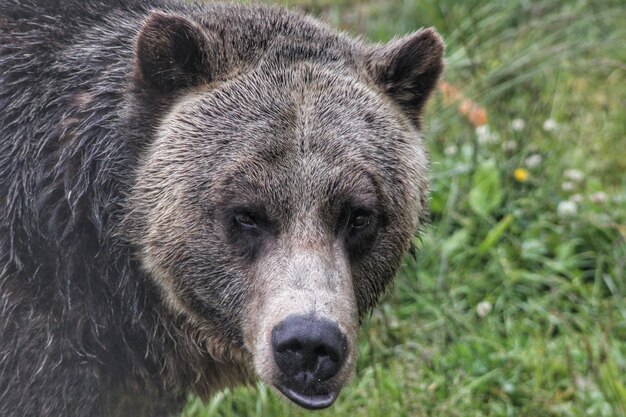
[245,220]
[248,228]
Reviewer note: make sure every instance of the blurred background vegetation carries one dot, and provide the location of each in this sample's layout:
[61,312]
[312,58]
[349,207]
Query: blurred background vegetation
[516,302]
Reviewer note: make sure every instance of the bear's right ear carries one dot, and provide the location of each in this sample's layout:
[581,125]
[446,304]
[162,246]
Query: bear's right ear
[171,52]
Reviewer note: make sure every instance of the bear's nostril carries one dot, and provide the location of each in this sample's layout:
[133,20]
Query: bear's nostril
[306,348]
[321,351]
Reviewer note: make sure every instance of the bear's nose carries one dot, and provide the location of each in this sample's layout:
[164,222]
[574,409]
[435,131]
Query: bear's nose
[308,350]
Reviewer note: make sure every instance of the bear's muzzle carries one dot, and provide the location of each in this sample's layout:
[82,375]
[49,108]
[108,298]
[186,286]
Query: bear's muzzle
[308,351]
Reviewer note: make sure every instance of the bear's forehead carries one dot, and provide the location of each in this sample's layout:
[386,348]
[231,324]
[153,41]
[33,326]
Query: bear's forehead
[303,135]
[295,177]
[304,110]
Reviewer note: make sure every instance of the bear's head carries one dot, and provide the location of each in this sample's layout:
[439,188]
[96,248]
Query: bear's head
[284,182]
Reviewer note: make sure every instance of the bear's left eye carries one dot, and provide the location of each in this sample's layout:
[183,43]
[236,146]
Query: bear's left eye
[355,220]
[358,226]
[360,220]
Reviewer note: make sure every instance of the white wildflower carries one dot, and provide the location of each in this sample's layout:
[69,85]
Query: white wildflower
[568,186]
[451,150]
[508,388]
[485,135]
[510,146]
[518,125]
[533,161]
[550,125]
[576,198]
[483,309]
[599,197]
[574,175]
[567,209]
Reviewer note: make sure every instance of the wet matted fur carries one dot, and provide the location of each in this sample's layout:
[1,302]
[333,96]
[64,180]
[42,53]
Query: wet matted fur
[177,180]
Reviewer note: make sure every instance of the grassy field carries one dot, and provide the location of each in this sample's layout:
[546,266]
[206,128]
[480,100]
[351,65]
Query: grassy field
[516,302]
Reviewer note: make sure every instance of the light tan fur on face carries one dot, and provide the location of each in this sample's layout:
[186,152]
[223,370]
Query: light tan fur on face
[301,279]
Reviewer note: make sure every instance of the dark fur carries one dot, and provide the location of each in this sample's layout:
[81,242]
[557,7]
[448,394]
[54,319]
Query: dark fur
[83,328]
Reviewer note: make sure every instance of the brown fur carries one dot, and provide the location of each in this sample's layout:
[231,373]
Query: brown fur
[178,180]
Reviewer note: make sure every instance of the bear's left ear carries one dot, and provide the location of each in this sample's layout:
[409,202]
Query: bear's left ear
[171,52]
[407,69]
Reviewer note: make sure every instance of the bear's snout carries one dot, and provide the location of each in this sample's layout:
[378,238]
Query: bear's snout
[306,348]
[308,351]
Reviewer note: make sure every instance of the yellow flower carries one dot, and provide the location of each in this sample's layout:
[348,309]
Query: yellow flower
[521,175]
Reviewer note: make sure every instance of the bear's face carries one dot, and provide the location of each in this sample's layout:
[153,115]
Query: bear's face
[275,206]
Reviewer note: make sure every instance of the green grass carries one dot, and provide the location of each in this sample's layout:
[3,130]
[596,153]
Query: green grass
[554,342]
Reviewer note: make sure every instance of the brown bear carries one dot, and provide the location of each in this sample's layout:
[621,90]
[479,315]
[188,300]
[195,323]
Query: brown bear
[194,197]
